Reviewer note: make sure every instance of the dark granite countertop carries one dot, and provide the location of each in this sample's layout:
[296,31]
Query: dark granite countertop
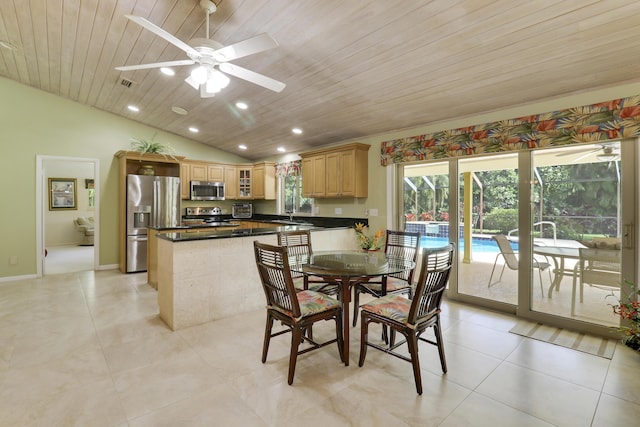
[225,234]
[278,221]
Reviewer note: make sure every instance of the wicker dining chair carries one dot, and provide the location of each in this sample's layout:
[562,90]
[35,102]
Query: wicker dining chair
[399,244]
[297,311]
[298,243]
[412,317]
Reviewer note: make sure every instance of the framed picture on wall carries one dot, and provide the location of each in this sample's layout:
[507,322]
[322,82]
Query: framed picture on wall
[63,194]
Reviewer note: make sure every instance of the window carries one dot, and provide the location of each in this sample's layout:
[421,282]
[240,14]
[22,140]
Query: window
[291,196]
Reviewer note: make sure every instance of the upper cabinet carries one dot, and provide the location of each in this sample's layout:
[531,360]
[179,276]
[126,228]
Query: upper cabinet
[264,181]
[336,172]
[242,181]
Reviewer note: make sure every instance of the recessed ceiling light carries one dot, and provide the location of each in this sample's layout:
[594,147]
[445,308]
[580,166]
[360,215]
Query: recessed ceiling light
[179,110]
[297,131]
[281,149]
[133,108]
[193,129]
[242,147]
[167,71]
[242,105]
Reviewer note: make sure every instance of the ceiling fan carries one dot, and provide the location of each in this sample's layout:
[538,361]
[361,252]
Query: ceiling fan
[608,152]
[211,57]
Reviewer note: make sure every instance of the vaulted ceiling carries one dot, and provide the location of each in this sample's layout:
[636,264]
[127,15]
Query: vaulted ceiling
[352,68]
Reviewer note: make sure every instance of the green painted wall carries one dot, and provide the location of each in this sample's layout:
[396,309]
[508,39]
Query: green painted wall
[33,123]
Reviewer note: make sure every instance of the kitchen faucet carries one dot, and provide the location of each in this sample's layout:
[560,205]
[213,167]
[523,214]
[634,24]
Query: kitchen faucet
[290,213]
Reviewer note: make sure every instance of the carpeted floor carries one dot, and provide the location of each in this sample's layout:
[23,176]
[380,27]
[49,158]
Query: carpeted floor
[597,346]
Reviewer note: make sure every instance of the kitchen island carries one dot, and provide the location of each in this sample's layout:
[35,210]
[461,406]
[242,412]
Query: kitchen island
[208,275]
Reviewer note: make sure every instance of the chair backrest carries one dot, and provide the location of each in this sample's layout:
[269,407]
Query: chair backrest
[403,244]
[600,266]
[507,251]
[434,276]
[277,283]
[298,245]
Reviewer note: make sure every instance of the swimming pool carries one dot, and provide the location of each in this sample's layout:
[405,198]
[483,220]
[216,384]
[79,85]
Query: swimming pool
[486,245]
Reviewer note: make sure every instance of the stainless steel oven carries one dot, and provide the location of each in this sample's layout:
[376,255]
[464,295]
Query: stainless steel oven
[204,190]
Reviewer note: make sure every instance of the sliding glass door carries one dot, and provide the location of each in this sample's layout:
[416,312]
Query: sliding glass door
[578,198]
[547,234]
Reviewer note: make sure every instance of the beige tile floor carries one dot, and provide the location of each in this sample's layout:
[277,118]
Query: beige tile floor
[88,349]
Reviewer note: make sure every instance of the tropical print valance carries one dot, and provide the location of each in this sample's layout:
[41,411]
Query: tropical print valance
[598,122]
[293,168]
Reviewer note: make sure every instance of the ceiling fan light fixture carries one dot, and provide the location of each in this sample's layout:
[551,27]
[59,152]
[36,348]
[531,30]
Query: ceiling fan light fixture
[219,79]
[199,74]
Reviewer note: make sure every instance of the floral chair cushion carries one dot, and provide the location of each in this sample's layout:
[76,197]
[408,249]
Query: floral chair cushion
[394,307]
[312,302]
[393,284]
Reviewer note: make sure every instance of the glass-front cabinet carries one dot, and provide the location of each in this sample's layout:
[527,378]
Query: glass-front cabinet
[244,182]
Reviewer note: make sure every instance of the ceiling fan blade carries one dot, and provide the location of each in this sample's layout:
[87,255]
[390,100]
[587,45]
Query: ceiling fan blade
[192,83]
[247,47]
[156,65]
[162,33]
[252,76]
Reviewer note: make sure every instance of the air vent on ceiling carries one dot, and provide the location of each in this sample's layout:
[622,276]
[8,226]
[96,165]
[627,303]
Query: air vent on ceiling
[126,82]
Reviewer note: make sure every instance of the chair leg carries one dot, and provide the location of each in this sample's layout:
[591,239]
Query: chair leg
[540,277]
[296,338]
[364,331]
[438,332]
[267,337]
[356,304]
[412,343]
[492,270]
[339,336]
[573,296]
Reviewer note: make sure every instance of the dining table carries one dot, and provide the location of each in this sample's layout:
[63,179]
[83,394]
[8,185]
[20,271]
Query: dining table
[558,254]
[346,269]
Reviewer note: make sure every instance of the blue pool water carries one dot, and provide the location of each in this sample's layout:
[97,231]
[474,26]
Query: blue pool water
[479,244]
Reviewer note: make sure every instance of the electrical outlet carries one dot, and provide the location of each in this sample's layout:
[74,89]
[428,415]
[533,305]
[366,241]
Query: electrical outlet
[373,212]
[13,260]
[338,211]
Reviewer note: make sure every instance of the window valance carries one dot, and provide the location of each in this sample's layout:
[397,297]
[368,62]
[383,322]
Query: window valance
[613,119]
[293,168]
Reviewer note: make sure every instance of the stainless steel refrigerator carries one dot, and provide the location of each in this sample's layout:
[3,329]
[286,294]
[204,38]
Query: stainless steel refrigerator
[151,201]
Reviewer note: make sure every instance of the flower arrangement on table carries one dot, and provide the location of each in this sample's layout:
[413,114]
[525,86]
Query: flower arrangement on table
[368,242]
[629,310]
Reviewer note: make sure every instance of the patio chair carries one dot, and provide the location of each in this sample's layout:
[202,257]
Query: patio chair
[511,261]
[298,311]
[599,268]
[400,244]
[412,318]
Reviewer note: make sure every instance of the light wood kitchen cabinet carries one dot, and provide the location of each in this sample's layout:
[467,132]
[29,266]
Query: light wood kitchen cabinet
[230,182]
[198,171]
[185,177]
[313,173]
[336,172]
[245,174]
[264,181]
[215,173]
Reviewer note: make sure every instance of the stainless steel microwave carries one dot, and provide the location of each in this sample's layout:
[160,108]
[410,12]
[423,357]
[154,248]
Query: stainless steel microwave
[203,190]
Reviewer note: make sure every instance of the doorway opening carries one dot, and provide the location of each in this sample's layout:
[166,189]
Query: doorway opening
[67,220]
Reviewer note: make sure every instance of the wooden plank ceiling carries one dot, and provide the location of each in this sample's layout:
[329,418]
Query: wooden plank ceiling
[352,67]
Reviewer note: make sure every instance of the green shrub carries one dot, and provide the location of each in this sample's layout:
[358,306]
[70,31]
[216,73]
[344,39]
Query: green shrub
[504,220]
